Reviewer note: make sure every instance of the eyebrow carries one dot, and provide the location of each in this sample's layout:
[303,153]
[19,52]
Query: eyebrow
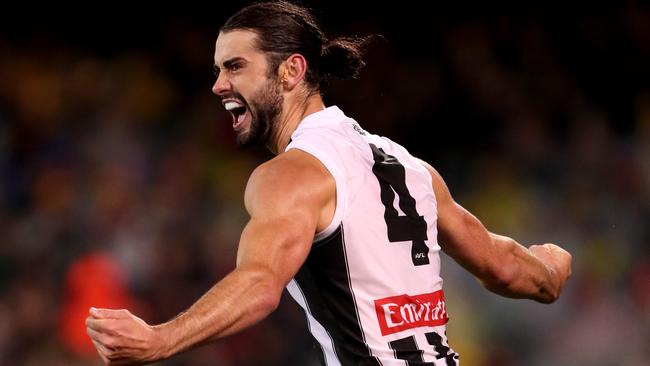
[228,63]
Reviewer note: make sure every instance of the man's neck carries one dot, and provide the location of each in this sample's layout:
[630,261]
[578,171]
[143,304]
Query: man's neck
[294,113]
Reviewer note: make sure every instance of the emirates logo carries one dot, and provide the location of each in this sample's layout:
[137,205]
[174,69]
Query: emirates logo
[398,313]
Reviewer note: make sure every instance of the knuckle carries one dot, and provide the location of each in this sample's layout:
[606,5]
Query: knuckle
[113,357]
[110,328]
[109,342]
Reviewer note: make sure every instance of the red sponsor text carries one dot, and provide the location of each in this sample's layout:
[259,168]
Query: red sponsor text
[398,313]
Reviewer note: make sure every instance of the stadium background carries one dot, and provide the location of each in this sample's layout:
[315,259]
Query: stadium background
[121,185]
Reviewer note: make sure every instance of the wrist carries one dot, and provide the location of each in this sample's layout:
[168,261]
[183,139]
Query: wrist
[166,342]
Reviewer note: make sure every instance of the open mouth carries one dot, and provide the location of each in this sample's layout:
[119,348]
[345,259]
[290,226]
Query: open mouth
[237,110]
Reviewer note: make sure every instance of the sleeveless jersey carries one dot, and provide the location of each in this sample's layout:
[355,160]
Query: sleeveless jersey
[370,287]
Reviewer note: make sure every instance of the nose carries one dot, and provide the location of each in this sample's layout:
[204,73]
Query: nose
[221,85]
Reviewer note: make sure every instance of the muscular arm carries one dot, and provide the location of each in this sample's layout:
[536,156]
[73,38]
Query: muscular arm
[286,199]
[273,246]
[501,264]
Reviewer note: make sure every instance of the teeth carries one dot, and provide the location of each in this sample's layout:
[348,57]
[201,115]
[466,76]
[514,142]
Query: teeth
[232,105]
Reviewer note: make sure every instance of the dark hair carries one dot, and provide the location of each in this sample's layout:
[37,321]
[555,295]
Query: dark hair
[284,28]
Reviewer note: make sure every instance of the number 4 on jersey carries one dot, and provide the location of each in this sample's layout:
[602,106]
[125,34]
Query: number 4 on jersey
[411,227]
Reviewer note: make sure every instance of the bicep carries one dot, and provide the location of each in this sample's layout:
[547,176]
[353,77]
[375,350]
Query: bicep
[276,245]
[461,235]
[464,238]
[285,200]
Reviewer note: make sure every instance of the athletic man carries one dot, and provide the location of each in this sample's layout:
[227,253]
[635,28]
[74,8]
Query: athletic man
[349,222]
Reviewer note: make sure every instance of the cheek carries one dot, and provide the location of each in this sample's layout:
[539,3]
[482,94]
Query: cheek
[247,87]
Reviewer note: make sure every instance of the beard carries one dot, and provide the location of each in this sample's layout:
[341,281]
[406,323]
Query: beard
[265,107]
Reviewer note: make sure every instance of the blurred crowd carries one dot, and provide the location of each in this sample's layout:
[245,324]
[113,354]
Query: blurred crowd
[121,186]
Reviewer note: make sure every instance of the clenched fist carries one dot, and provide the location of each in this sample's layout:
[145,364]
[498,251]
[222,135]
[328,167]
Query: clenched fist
[556,259]
[122,338]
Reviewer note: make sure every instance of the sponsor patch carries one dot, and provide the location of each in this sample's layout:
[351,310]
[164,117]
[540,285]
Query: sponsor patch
[398,313]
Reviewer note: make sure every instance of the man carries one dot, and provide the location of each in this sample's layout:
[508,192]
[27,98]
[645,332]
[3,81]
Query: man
[347,221]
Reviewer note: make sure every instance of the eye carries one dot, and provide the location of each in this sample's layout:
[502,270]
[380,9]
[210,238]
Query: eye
[235,67]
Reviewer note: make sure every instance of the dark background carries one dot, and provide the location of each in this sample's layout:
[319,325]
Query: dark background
[121,185]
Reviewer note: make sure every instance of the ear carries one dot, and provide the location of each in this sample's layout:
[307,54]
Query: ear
[292,71]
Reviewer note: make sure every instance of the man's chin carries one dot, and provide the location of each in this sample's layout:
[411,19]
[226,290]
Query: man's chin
[245,139]
[253,135]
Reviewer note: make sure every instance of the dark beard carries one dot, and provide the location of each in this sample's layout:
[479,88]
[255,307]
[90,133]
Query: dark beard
[265,107]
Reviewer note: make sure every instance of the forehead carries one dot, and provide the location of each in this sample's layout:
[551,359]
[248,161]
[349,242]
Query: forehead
[237,43]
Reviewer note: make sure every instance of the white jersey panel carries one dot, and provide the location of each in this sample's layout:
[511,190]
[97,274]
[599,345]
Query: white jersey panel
[379,258]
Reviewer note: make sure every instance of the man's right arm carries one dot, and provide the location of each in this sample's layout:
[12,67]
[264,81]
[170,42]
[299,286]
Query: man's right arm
[289,199]
[501,264]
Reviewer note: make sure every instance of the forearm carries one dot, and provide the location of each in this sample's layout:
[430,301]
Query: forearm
[500,263]
[241,299]
[519,274]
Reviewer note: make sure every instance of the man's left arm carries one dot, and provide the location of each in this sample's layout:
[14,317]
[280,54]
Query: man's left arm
[285,198]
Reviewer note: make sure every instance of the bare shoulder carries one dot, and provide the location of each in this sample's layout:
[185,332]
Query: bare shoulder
[291,178]
[439,186]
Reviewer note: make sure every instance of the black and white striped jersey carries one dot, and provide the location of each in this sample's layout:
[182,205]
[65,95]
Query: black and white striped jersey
[371,287]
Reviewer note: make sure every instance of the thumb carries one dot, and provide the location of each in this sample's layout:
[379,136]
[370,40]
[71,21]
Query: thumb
[108,313]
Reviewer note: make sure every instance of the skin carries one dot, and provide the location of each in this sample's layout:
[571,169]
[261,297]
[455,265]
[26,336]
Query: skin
[261,88]
[285,215]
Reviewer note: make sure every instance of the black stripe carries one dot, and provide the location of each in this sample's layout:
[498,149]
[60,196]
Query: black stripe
[317,346]
[442,351]
[324,280]
[406,349]
[375,360]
